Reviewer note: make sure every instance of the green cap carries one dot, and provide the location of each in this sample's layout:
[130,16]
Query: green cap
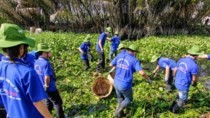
[12,35]
[116,33]
[154,58]
[195,50]
[109,29]
[121,46]
[43,47]
[87,38]
[133,47]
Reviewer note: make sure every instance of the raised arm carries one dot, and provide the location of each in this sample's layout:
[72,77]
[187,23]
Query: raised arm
[203,56]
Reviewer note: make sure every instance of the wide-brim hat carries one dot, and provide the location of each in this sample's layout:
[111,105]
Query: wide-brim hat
[154,58]
[87,38]
[41,47]
[195,50]
[134,48]
[121,46]
[116,32]
[109,29]
[12,35]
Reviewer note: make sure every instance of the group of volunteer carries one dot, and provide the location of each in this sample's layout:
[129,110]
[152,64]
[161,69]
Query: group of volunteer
[182,73]
[28,81]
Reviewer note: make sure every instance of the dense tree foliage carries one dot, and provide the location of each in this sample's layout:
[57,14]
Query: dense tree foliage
[133,18]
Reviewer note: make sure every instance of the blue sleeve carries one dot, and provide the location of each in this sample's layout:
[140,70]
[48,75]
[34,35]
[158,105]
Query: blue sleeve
[102,36]
[47,70]
[137,66]
[34,88]
[208,56]
[162,64]
[194,70]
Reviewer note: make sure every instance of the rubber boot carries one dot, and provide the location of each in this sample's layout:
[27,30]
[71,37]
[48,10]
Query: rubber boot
[119,111]
[174,108]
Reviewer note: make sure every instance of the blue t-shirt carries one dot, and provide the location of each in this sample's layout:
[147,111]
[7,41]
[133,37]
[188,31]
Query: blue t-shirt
[21,88]
[115,41]
[43,68]
[208,56]
[163,62]
[126,64]
[85,47]
[187,67]
[1,55]
[29,60]
[102,38]
[34,53]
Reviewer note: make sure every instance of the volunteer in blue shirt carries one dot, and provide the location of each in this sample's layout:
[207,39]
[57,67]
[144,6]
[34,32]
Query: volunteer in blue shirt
[100,48]
[90,56]
[126,64]
[84,49]
[168,65]
[19,83]
[46,75]
[115,41]
[186,75]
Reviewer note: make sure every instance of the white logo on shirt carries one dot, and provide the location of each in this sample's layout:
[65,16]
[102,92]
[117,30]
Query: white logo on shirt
[123,63]
[183,67]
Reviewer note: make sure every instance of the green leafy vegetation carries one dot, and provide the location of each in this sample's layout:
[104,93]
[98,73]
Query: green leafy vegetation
[150,101]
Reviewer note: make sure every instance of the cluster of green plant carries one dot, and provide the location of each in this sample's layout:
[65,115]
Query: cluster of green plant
[150,101]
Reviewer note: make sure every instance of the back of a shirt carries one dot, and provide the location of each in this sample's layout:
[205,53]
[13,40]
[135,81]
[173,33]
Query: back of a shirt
[115,41]
[43,68]
[20,86]
[163,62]
[187,67]
[126,64]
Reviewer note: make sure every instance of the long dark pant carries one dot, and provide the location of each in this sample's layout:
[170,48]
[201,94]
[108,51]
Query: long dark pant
[170,80]
[3,113]
[101,63]
[87,64]
[55,100]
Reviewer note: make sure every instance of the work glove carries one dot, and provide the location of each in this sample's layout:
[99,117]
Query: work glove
[149,80]
[194,84]
[112,70]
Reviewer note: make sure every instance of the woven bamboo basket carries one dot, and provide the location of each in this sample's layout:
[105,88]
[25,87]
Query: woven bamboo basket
[102,87]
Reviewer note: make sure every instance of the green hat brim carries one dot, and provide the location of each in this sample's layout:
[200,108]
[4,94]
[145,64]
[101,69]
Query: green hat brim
[154,59]
[5,44]
[195,53]
[119,48]
[86,40]
[133,50]
[44,50]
